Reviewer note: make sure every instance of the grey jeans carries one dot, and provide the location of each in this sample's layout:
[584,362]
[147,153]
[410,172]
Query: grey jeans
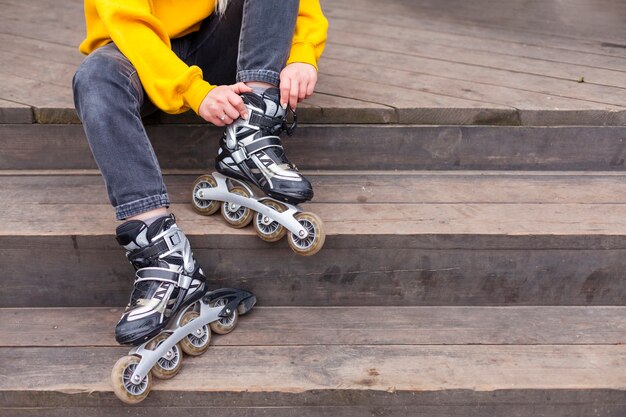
[250,42]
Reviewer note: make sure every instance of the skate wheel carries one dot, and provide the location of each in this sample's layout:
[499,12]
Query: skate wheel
[267,229]
[236,215]
[124,388]
[195,343]
[204,207]
[224,325]
[169,364]
[311,244]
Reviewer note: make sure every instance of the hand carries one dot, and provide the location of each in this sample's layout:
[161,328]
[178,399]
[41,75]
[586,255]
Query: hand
[297,82]
[223,105]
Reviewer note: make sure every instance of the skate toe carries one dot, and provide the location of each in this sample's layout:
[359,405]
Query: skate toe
[137,331]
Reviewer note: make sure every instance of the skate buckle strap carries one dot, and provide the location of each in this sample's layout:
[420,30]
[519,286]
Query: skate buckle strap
[157,274]
[150,252]
[263,120]
[260,144]
[156,248]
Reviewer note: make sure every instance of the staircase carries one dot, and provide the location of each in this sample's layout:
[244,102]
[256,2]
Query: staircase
[468,270]
[468,162]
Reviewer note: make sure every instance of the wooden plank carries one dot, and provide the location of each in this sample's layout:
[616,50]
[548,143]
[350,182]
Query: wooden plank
[24,66]
[361,187]
[504,25]
[57,24]
[487,59]
[35,93]
[532,108]
[339,370]
[11,112]
[342,147]
[355,219]
[351,271]
[601,404]
[41,49]
[380,91]
[611,96]
[481,44]
[312,326]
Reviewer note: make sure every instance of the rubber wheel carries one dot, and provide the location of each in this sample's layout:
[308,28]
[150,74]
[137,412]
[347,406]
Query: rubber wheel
[235,215]
[195,343]
[169,365]
[272,231]
[224,325]
[123,388]
[311,244]
[204,207]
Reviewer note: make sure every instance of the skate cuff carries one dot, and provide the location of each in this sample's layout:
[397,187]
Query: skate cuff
[245,152]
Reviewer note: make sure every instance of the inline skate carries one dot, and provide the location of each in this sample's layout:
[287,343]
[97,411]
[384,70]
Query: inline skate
[170,309]
[255,182]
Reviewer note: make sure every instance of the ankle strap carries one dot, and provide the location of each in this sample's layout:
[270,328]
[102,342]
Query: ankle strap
[244,152]
[275,125]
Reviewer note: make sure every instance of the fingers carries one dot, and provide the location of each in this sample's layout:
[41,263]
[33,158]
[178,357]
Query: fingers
[297,83]
[223,105]
[240,88]
[294,91]
[285,89]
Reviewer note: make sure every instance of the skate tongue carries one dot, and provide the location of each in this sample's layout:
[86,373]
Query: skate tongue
[132,235]
[159,225]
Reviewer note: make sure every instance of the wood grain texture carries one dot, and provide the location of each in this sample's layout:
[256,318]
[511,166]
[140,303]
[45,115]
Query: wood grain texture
[362,187]
[313,326]
[346,147]
[553,403]
[338,369]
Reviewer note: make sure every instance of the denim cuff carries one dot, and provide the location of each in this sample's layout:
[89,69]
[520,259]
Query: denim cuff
[136,207]
[266,76]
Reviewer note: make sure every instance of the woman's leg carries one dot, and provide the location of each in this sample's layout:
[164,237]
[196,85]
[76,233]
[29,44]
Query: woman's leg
[109,97]
[249,43]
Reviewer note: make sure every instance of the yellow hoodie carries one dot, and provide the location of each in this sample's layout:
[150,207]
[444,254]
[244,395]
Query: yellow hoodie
[142,30]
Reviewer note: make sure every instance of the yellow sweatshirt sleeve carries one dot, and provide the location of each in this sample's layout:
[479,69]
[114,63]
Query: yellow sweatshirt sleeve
[172,86]
[309,38]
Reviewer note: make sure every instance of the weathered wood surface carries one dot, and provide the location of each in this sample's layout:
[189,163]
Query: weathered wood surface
[348,220]
[345,147]
[553,404]
[407,62]
[539,23]
[371,270]
[428,239]
[339,369]
[44,187]
[298,326]
[12,112]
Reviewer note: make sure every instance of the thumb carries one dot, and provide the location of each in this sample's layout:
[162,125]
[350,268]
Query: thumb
[240,88]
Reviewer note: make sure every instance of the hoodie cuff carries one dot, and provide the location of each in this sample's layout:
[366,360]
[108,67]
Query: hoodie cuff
[303,52]
[197,91]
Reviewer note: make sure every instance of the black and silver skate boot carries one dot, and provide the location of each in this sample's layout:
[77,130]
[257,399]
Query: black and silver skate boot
[251,150]
[167,277]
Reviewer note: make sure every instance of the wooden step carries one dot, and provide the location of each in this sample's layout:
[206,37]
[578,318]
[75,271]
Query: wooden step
[345,147]
[404,238]
[334,361]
